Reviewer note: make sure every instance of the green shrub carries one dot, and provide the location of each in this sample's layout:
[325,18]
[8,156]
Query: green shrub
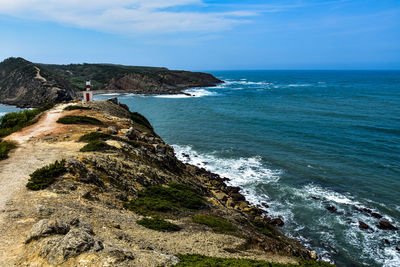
[5,148]
[96,145]
[196,260]
[218,225]
[175,197]
[265,228]
[158,225]
[44,177]
[140,119]
[79,120]
[15,121]
[93,136]
[74,107]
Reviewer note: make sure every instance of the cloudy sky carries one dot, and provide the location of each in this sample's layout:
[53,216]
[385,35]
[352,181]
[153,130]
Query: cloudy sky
[205,35]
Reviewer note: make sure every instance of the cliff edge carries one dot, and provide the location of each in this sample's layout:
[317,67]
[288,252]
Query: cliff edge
[118,196]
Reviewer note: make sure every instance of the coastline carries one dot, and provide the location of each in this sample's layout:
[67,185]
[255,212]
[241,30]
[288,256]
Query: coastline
[225,201]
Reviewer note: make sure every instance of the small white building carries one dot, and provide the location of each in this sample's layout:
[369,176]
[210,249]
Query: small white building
[88,94]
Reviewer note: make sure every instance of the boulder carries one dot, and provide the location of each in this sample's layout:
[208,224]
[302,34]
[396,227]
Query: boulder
[376,215]
[73,244]
[331,208]
[112,130]
[277,222]
[47,227]
[238,197]
[363,225]
[385,225]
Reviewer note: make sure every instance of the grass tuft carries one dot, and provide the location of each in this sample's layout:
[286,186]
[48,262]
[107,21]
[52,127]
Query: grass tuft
[196,260]
[96,145]
[158,224]
[75,107]
[140,119]
[79,120]
[175,197]
[44,177]
[5,148]
[218,225]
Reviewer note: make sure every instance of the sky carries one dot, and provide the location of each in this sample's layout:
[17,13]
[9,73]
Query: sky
[205,35]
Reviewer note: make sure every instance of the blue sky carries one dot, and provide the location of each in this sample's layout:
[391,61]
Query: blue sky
[205,35]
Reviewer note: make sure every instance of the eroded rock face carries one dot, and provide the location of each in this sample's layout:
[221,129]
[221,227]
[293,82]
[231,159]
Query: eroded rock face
[47,227]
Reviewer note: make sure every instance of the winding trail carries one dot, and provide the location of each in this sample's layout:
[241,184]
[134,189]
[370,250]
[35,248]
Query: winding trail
[32,153]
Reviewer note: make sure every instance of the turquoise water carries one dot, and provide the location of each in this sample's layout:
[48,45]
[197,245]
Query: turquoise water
[288,136]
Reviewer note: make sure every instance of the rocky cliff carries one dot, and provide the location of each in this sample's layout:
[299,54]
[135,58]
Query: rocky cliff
[132,79]
[120,197]
[25,84]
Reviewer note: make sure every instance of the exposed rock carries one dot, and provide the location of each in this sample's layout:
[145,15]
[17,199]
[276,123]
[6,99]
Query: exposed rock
[81,172]
[277,222]
[74,243]
[47,227]
[331,208]
[237,197]
[25,84]
[376,215]
[313,254]
[398,249]
[363,225]
[112,130]
[385,225]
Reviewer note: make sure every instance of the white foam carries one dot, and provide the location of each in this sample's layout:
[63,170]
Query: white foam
[2,114]
[299,84]
[250,172]
[315,190]
[111,94]
[172,96]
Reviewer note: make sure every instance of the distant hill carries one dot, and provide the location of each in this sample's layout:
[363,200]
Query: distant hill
[25,84]
[132,79]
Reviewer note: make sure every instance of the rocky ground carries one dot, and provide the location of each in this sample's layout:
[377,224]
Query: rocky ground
[80,220]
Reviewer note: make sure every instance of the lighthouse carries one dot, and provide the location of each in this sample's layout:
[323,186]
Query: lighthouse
[88,94]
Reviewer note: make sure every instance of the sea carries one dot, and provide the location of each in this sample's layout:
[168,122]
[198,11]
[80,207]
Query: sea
[299,141]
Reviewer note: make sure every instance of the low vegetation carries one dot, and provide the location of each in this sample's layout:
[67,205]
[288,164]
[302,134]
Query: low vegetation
[15,121]
[265,228]
[96,145]
[5,148]
[140,119]
[75,107]
[79,120]
[218,225]
[158,224]
[175,197]
[196,260]
[94,136]
[44,177]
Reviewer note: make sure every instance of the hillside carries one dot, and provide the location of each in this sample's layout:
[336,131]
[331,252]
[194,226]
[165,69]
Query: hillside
[132,79]
[118,196]
[25,84]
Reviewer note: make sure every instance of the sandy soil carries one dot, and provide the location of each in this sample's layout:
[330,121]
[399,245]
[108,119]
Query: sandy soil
[30,155]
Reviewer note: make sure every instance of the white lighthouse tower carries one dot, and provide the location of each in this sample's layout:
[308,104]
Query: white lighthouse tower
[88,94]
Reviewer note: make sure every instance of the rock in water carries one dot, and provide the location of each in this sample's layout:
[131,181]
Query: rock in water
[363,225]
[385,225]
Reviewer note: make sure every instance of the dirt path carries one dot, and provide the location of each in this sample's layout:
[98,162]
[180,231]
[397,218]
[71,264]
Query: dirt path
[30,155]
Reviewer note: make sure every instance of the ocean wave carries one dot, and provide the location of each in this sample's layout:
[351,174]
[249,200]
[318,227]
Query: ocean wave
[328,232]
[241,171]
[111,94]
[196,92]
[2,114]
[299,84]
[245,82]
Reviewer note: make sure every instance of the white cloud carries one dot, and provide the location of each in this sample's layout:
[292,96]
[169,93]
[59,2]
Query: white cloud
[127,16]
